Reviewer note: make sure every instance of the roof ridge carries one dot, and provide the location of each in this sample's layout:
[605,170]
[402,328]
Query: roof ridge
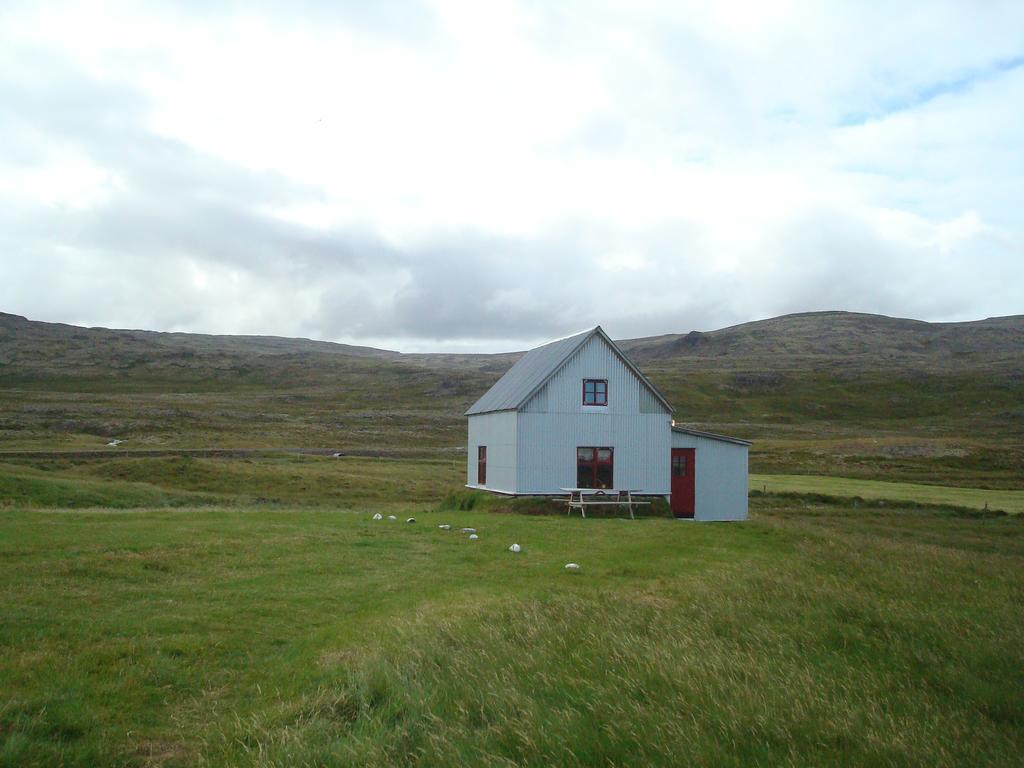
[568,336]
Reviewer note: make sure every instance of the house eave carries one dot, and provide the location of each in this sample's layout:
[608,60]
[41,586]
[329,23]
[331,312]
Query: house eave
[492,410]
[711,435]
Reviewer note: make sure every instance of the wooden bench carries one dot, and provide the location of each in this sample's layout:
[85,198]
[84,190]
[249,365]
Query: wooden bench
[581,498]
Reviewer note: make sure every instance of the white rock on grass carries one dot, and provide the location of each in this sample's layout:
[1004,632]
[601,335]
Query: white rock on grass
[392,517]
[444,527]
[378,516]
[468,530]
[411,520]
[473,537]
[515,548]
[572,566]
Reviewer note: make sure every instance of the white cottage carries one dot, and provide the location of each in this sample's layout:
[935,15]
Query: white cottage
[576,413]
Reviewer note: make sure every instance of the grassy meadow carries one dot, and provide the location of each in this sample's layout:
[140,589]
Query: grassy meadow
[903,493]
[267,478]
[162,604]
[815,425]
[250,612]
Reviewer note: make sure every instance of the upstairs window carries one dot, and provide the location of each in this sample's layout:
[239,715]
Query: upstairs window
[594,468]
[595,392]
[481,465]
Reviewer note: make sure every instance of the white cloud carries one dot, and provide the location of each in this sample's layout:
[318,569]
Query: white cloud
[460,173]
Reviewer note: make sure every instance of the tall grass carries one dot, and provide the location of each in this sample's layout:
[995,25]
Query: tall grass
[829,655]
[27,487]
[974,498]
[274,478]
[814,634]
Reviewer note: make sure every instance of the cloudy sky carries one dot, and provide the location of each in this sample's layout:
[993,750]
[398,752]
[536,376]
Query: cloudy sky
[484,175]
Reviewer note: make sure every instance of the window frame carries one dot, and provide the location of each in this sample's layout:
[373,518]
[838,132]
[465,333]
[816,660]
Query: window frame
[679,463]
[595,464]
[481,465]
[600,387]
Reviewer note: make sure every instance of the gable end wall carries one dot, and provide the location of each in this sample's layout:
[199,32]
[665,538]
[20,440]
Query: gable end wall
[554,422]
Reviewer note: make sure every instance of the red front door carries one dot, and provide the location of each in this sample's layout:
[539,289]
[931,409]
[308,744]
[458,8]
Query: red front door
[682,482]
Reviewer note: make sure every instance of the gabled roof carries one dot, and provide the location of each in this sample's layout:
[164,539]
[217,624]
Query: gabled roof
[533,370]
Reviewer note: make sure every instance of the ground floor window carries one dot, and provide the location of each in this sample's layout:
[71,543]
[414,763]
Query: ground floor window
[594,468]
[481,465]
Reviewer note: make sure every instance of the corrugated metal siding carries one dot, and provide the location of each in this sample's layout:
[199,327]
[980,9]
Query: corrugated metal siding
[594,360]
[548,443]
[554,423]
[498,432]
[538,403]
[721,480]
[649,403]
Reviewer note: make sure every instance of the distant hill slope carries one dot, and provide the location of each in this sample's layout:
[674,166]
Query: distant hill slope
[68,345]
[844,336]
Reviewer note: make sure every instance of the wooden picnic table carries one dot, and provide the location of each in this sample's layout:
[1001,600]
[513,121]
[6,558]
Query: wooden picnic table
[581,498]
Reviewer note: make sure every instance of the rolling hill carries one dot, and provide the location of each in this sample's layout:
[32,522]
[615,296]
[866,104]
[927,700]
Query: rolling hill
[862,395]
[846,338]
[790,341]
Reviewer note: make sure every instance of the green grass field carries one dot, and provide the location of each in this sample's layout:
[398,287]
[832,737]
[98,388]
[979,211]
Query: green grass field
[975,498]
[272,478]
[250,612]
[181,610]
